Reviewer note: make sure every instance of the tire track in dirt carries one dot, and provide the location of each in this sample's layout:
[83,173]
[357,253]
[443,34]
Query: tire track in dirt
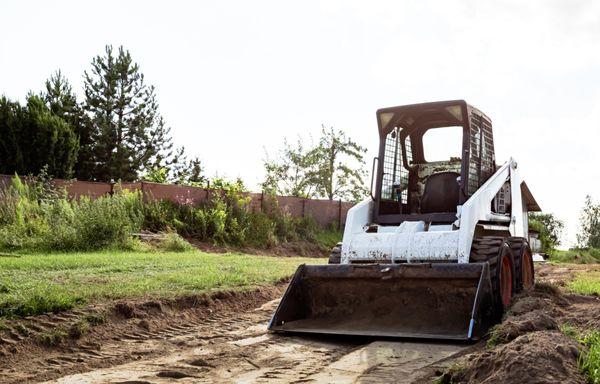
[239,350]
[220,339]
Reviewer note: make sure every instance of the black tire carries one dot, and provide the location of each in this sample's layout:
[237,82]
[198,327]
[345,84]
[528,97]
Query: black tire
[493,249]
[520,247]
[335,257]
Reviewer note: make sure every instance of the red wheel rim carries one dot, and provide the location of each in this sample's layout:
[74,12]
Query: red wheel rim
[527,270]
[506,281]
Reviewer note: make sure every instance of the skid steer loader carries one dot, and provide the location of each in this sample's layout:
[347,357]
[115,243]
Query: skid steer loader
[437,250]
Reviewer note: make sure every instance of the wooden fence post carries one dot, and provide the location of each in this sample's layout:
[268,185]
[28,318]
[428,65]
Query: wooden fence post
[340,215]
[262,199]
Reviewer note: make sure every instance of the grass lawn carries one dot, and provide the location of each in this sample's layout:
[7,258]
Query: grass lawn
[579,256]
[587,283]
[40,283]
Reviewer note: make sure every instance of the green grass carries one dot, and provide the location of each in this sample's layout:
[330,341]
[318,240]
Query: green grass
[586,283]
[579,256]
[589,358]
[589,362]
[39,283]
[328,238]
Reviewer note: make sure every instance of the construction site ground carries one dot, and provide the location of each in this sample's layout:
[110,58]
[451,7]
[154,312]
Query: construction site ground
[222,337]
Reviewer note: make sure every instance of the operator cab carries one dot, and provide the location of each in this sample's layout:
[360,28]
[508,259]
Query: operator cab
[432,158]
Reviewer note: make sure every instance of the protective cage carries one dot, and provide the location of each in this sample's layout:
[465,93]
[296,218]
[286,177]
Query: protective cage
[401,154]
[436,301]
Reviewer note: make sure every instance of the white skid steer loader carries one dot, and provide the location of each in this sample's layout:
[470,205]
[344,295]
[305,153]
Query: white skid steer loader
[440,247]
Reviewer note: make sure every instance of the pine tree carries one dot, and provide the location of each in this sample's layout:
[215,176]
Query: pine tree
[130,136]
[62,101]
[12,119]
[32,138]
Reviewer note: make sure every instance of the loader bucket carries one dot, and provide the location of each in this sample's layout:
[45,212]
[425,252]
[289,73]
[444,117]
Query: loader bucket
[435,301]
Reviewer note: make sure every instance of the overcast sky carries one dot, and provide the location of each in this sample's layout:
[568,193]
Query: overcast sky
[234,78]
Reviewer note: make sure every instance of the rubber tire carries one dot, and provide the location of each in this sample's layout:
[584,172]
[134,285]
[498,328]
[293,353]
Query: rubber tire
[335,257]
[492,249]
[520,247]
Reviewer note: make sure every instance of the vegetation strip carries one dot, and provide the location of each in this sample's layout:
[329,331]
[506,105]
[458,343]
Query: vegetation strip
[42,283]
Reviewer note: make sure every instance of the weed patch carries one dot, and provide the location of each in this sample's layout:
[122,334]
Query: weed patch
[578,256]
[589,362]
[23,330]
[35,218]
[174,243]
[52,338]
[78,329]
[587,283]
[38,303]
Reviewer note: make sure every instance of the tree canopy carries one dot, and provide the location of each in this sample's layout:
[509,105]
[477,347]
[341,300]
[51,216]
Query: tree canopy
[33,138]
[589,224]
[549,228]
[334,168]
[129,134]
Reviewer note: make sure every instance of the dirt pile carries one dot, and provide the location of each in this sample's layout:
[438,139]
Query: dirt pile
[534,357]
[528,346]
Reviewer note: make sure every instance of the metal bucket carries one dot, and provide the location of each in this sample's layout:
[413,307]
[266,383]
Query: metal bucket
[435,301]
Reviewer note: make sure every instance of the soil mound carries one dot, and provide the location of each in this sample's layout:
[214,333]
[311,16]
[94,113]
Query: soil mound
[515,326]
[528,346]
[537,357]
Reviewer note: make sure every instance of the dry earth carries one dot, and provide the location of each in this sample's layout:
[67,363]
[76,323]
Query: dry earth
[222,338]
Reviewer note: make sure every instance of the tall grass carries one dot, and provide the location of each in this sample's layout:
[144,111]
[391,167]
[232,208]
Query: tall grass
[578,256]
[590,361]
[35,216]
[38,218]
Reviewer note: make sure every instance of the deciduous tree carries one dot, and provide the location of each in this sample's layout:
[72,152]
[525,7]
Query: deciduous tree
[549,228]
[291,172]
[589,224]
[339,166]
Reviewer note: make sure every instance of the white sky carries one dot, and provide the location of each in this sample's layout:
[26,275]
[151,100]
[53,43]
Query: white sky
[236,77]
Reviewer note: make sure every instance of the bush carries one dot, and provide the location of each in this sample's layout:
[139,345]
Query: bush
[34,216]
[174,243]
[34,220]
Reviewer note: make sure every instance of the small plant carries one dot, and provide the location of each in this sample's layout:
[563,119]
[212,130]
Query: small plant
[52,338]
[495,337]
[570,331]
[174,243]
[23,330]
[3,325]
[589,361]
[78,329]
[95,319]
[448,377]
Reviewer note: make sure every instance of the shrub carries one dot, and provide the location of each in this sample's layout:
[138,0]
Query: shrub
[174,243]
[34,216]
[262,231]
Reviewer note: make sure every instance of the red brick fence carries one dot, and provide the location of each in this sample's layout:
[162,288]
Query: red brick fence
[325,212]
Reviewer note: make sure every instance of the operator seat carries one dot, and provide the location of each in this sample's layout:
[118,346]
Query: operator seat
[441,193]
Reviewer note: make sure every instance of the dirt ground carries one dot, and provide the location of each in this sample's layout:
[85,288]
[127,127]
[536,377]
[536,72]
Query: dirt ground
[222,338]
